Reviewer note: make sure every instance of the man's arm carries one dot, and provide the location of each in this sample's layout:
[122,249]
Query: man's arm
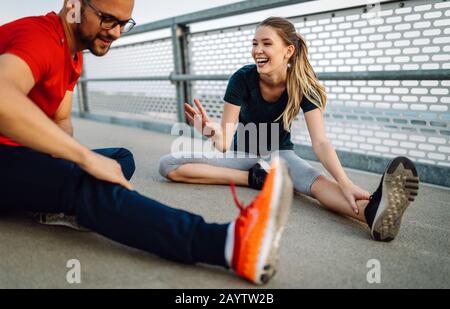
[22,121]
[63,115]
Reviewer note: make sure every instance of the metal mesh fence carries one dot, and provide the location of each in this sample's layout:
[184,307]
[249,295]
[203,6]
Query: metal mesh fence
[377,117]
[382,118]
[154,100]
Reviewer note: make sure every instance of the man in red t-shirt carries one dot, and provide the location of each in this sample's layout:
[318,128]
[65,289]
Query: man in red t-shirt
[44,169]
[41,57]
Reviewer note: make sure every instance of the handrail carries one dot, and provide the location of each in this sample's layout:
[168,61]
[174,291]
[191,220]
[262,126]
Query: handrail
[440,74]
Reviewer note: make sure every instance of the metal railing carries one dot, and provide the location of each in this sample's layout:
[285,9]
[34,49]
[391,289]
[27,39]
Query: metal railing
[387,77]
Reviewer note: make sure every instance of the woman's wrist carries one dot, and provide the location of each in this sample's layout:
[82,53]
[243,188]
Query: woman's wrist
[218,142]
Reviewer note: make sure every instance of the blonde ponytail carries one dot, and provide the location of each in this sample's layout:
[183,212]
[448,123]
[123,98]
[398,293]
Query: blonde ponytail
[301,79]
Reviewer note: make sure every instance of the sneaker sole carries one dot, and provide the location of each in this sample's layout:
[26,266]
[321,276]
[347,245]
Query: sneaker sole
[400,187]
[41,219]
[279,212]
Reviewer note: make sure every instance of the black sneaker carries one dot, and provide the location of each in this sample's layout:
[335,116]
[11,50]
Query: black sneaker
[256,176]
[398,188]
[59,219]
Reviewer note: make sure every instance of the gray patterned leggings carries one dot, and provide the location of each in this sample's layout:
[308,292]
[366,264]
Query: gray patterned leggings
[302,173]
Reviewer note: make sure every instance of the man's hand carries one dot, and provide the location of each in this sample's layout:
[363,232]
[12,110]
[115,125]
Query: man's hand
[104,168]
[24,122]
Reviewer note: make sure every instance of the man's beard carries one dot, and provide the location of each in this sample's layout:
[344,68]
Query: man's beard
[89,42]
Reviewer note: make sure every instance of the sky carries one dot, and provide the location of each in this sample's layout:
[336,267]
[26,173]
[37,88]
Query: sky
[145,10]
[150,10]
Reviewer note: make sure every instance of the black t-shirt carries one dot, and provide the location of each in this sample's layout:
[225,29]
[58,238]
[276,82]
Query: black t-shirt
[243,90]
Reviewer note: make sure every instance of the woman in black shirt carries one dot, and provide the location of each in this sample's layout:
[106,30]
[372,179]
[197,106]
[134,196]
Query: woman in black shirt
[263,99]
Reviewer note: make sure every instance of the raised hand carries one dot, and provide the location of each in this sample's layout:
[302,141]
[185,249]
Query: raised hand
[199,119]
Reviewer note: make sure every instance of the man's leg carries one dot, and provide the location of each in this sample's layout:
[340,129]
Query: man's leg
[123,156]
[36,182]
[32,181]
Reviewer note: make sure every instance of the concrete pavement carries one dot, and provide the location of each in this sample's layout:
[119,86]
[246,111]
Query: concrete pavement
[319,249]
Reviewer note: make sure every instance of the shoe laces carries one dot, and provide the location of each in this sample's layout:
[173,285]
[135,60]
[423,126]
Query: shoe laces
[238,203]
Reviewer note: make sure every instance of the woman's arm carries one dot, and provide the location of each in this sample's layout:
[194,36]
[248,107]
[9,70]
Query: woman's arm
[322,147]
[230,117]
[326,154]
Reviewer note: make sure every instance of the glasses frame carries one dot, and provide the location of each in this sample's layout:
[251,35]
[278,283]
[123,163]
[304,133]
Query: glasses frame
[103,16]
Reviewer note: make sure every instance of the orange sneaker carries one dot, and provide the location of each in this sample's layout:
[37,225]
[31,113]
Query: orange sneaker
[259,226]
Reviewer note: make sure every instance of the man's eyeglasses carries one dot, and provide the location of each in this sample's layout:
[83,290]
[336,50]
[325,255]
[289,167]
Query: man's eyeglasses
[108,22]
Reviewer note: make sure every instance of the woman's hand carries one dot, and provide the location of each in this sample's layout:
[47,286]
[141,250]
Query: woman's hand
[353,193]
[200,119]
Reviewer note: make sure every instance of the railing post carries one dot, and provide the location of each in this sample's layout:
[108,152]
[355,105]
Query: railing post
[179,42]
[187,66]
[83,103]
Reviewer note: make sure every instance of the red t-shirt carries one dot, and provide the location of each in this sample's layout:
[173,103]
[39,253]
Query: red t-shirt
[40,41]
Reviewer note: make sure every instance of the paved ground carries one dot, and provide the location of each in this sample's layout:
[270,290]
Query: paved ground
[319,248]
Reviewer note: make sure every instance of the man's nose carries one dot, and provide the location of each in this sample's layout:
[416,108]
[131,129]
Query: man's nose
[115,32]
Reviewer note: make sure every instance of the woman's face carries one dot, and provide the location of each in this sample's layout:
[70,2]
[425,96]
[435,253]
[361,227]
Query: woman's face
[269,51]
